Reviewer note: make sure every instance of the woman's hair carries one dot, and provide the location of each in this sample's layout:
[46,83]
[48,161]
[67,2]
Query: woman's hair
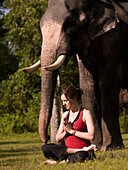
[71,92]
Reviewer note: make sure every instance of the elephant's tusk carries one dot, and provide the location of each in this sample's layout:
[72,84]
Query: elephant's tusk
[56,64]
[32,68]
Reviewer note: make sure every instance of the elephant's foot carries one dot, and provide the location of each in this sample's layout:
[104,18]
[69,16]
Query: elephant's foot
[115,147]
[112,147]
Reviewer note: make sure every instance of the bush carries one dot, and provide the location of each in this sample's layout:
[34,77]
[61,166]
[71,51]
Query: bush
[19,123]
[20,103]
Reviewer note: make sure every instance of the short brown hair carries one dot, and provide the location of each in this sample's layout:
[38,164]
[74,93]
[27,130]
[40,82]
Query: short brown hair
[70,92]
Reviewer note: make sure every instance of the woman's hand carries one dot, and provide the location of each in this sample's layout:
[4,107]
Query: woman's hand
[68,127]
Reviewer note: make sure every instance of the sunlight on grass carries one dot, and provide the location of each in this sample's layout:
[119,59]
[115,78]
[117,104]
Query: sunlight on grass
[23,152]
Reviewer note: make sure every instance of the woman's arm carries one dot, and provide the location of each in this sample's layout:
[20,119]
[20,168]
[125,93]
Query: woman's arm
[87,118]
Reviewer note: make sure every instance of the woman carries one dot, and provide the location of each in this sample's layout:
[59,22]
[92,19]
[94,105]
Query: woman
[76,127]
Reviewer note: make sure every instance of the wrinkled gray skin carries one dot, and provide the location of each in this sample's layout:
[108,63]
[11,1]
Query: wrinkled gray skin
[65,30]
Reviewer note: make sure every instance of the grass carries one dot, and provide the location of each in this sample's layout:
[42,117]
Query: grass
[23,152]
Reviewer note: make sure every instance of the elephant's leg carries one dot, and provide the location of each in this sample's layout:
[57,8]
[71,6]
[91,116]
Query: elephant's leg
[110,114]
[89,101]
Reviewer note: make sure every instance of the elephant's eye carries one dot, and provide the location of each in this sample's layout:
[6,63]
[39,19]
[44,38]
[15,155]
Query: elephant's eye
[69,25]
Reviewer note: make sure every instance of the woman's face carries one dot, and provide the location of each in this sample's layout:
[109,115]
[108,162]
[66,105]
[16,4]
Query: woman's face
[67,103]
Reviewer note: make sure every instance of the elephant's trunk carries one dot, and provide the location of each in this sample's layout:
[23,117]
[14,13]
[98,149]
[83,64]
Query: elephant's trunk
[47,95]
[51,35]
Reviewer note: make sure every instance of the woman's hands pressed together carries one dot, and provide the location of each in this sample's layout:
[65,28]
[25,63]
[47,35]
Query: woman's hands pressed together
[68,127]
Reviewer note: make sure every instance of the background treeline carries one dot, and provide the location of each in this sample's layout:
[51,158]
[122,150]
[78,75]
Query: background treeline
[20,46]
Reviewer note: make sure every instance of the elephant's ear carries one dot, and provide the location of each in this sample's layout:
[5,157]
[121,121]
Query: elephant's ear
[102,19]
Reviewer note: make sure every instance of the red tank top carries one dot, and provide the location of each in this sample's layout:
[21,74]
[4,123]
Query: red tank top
[73,141]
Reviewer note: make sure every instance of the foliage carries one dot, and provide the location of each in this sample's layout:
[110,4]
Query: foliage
[24,152]
[20,92]
[19,107]
[23,22]
[8,64]
[1,8]
[70,70]
[124,121]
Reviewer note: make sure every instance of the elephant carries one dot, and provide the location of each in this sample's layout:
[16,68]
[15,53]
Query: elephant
[96,31]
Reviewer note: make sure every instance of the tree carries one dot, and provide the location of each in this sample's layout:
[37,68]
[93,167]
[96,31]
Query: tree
[20,93]
[8,64]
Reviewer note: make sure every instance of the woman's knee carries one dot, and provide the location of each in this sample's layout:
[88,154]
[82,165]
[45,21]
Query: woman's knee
[44,148]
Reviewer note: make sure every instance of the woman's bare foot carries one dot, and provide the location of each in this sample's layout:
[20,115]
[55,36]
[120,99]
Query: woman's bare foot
[50,162]
[62,162]
[54,162]
[92,146]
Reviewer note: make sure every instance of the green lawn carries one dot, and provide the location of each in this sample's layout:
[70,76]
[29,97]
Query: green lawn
[23,152]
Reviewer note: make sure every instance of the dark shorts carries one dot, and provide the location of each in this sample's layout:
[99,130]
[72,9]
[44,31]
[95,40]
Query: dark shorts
[58,152]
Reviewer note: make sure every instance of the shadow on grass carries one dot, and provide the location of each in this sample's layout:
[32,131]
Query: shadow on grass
[18,142]
[11,157]
[20,159]
[13,154]
[6,143]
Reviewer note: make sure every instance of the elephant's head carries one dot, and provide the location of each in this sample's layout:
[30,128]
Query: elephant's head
[67,27]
